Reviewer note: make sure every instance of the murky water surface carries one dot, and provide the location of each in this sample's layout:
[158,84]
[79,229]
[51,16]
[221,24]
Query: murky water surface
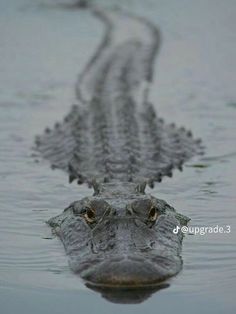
[42,51]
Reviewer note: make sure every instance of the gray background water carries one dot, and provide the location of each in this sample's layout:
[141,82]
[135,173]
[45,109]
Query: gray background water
[42,51]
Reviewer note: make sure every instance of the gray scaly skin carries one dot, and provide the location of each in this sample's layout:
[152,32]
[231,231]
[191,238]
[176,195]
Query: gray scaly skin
[114,141]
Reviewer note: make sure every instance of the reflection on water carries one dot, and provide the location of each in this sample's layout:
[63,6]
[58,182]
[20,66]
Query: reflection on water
[128,296]
[42,52]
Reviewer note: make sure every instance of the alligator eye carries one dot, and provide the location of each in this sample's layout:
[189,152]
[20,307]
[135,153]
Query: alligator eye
[153,214]
[89,215]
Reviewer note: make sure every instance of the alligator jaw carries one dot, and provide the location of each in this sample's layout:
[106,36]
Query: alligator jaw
[128,274]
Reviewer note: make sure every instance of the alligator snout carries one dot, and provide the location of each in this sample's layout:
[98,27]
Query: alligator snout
[125,273]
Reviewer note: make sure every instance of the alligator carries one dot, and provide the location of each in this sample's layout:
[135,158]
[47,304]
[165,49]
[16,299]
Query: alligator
[113,140]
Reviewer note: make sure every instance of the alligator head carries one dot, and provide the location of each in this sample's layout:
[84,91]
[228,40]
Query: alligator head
[121,237]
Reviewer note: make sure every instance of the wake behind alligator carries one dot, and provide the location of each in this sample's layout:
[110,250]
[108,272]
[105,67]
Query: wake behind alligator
[113,140]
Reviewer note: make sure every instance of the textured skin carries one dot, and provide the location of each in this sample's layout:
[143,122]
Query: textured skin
[114,133]
[113,139]
[122,246]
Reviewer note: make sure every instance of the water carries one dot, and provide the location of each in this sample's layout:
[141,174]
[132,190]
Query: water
[42,51]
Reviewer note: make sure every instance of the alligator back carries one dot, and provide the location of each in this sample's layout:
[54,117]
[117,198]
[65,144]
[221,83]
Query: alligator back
[113,133]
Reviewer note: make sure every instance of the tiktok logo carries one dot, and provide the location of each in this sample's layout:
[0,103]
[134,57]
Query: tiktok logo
[176,230]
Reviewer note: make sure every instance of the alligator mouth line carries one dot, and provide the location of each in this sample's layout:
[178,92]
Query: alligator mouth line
[131,286]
